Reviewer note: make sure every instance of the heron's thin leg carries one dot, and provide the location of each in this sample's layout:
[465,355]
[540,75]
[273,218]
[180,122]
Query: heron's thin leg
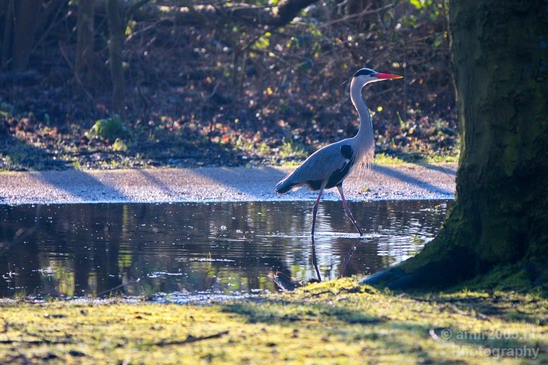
[315,210]
[314,261]
[347,209]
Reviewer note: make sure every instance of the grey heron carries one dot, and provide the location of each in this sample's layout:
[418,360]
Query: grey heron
[329,166]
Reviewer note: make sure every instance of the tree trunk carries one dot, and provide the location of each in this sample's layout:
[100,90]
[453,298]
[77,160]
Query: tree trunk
[85,41]
[7,30]
[18,36]
[501,210]
[115,47]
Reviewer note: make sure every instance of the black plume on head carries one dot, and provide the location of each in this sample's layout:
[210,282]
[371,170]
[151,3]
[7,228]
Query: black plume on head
[364,72]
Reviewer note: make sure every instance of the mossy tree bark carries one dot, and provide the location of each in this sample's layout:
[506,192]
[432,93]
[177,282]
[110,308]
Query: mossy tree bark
[501,210]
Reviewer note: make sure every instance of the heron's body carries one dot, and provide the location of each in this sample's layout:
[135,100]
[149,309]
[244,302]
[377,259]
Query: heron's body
[341,157]
[330,166]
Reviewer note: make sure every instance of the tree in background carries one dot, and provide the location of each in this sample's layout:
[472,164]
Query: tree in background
[499,220]
[249,78]
[115,47]
[85,41]
[19,18]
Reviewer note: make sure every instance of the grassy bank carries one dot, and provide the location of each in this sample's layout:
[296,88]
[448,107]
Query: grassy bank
[335,322]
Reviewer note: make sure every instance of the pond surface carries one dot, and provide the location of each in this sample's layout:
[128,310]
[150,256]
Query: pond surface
[185,250]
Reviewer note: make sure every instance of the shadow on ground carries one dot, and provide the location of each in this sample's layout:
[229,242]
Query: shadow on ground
[394,173]
[397,332]
[18,155]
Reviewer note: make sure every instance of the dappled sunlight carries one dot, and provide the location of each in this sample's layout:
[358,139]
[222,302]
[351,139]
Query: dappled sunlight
[214,184]
[168,173]
[336,322]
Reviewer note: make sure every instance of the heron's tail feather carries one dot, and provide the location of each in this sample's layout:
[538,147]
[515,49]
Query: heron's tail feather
[284,186]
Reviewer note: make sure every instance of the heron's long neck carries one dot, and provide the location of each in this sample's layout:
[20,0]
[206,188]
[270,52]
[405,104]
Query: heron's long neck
[365,134]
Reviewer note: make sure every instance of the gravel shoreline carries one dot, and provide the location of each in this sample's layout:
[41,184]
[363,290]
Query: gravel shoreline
[216,184]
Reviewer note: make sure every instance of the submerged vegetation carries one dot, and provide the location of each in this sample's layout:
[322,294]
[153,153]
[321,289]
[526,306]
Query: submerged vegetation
[328,323]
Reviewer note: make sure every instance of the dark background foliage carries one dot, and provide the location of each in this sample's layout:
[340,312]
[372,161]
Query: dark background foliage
[221,88]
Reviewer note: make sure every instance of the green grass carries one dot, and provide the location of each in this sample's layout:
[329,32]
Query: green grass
[386,159]
[390,160]
[338,322]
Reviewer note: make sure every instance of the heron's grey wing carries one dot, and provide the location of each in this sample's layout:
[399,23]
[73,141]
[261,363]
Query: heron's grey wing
[320,165]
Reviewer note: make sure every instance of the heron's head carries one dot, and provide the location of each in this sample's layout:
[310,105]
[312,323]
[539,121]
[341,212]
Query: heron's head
[365,76]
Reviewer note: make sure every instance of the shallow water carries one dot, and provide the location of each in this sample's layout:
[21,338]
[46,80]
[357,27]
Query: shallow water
[173,252]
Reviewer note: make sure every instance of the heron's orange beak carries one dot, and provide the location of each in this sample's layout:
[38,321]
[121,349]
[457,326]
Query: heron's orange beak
[387,76]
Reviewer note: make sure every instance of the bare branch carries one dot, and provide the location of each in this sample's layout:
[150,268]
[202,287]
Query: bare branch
[358,15]
[201,15]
